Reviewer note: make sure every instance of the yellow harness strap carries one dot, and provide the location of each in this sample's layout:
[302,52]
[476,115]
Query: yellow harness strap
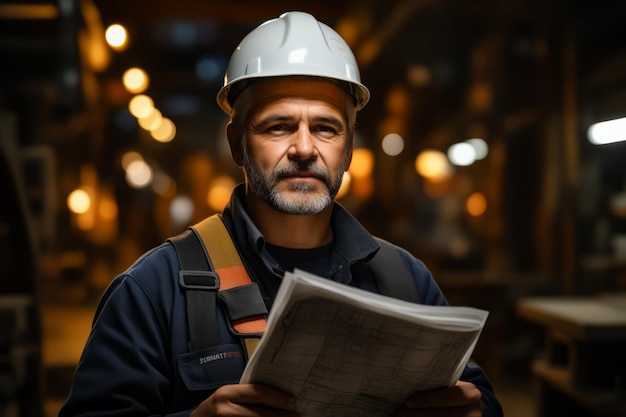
[231,271]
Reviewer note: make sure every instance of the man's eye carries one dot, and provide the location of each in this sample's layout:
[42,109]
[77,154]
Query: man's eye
[278,128]
[326,129]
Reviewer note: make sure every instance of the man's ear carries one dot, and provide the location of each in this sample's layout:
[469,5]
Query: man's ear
[234,141]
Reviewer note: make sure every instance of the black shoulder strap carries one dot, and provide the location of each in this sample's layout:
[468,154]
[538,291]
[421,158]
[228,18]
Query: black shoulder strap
[196,274]
[211,270]
[392,275]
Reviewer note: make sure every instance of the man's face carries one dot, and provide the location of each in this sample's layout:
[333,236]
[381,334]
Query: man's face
[296,148]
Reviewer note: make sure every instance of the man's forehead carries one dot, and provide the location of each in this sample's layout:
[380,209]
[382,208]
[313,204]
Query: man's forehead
[313,89]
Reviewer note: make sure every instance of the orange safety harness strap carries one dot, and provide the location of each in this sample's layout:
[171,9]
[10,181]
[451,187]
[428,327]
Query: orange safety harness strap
[220,274]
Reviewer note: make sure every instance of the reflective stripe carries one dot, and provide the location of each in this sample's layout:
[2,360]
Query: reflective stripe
[229,267]
[232,276]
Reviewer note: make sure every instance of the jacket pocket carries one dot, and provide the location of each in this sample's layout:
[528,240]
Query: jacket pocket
[211,368]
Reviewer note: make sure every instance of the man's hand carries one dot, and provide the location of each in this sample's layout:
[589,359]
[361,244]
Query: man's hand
[461,400]
[247,400]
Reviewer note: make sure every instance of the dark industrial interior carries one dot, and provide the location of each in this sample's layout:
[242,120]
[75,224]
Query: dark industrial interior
[544,251]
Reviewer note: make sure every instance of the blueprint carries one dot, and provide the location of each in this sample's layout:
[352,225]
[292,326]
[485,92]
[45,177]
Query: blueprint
[345,352]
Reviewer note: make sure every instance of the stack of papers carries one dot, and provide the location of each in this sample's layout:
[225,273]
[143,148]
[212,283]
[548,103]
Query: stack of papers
[343,351]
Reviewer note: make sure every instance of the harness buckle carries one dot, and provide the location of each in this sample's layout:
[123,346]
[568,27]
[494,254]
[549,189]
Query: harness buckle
[199,280]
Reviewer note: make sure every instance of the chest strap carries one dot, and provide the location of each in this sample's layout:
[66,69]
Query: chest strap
[211,269]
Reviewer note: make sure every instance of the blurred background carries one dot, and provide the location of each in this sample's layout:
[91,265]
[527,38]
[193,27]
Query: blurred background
[490,149]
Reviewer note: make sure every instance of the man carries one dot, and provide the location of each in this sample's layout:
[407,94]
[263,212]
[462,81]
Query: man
[292,90]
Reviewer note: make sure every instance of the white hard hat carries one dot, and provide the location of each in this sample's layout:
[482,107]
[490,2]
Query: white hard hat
[293,44]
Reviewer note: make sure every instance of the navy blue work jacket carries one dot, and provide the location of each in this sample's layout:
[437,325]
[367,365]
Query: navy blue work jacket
[136,360]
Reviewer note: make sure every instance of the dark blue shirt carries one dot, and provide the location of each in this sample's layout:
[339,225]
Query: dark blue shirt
[136,360]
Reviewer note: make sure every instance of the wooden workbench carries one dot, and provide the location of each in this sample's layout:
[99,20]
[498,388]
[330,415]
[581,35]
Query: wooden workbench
[583,372]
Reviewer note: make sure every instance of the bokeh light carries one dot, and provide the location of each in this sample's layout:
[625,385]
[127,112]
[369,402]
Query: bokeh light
[135,80]
[392,144]
[345,185]
[181,210]
[610,131]
[140,106]
[138,174]
[220,191]
[116,36]
[462,154]
[433,165]
[165,131]
[476,204]
[480,147]
[362,163]
[79,201]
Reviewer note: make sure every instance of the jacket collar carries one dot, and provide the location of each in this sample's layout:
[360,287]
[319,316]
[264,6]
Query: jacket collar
[352,241]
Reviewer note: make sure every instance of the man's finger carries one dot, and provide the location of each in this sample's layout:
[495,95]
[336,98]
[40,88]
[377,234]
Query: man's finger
[463,393]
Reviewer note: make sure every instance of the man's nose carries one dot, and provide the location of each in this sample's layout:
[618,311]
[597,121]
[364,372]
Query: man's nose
[302,146]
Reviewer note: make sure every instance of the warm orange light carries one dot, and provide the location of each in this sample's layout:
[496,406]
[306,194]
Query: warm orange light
[29,11]
[92,40]
[140,106]
[165,131]
[362,188]
[433,165]
[345,185]
[219,192]
[151,121]
[139,174]
[79,201]
[362,163]
[135,80]
[129,157]
[85,221]
[476,204]
[107,209]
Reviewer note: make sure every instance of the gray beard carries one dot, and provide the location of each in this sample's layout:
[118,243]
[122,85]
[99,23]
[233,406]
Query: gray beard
[266,188]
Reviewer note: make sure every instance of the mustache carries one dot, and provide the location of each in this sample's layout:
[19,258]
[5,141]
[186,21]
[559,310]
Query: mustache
[302,167]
